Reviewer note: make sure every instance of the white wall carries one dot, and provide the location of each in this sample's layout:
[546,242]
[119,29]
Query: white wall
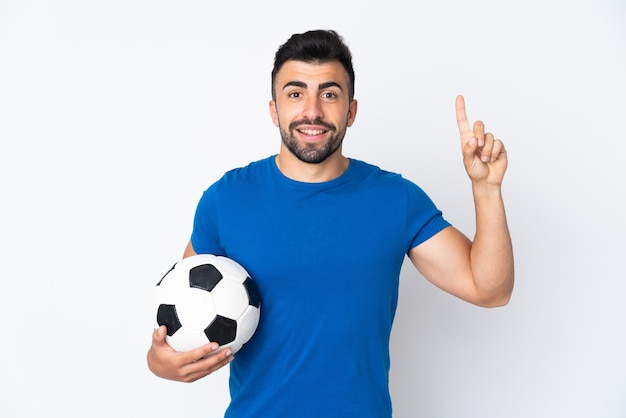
[115,115]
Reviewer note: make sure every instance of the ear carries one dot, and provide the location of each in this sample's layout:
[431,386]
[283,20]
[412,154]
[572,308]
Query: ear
[352,112]
[274,113]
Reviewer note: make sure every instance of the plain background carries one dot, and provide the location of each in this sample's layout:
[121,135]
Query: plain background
[116,115]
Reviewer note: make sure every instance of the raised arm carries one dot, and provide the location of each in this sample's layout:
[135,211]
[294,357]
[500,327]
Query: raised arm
[479,271]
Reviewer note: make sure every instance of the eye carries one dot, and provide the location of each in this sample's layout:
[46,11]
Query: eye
[294,95]
[329,95]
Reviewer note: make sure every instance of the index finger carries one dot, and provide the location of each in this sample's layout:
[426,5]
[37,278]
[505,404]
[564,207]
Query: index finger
[461,119]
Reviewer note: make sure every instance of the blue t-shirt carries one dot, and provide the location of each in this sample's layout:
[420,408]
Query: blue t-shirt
[326,258]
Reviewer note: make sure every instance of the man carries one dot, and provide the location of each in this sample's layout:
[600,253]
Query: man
[324,237]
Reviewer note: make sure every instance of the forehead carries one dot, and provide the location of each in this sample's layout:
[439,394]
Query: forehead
[309,72]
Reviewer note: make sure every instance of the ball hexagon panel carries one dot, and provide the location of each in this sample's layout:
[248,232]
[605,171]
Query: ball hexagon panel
[231,269]
[248,323]
[187,338]
[196,308]
[230,298]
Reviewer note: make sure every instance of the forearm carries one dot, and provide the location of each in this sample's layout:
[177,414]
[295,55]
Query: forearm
[491,253]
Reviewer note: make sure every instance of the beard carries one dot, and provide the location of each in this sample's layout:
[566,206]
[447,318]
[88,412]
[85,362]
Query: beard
[312,153]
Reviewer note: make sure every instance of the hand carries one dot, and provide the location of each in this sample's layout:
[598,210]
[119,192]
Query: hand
[187,366]
[484,156]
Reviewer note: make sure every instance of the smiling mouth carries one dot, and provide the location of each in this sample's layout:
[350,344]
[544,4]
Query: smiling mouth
[312,132]
[311,128]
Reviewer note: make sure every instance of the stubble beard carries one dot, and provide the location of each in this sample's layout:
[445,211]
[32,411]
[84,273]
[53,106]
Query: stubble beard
[309,152]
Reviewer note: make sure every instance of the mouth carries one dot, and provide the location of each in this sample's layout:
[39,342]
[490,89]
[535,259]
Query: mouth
[311,131]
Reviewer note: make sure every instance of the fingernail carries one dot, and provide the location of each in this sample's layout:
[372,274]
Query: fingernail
[484,158]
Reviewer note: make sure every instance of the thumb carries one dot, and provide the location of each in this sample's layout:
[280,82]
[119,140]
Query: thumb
[158,336]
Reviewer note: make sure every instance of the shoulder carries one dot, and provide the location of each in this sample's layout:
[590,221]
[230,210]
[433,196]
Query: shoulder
[377,175]
[249,172]
[390,186]
[365,170]
[240,180]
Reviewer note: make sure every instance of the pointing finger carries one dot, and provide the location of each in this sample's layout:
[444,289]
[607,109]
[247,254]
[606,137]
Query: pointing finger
[461,119]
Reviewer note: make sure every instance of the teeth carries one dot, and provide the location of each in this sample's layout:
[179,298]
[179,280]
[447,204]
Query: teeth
[312,131]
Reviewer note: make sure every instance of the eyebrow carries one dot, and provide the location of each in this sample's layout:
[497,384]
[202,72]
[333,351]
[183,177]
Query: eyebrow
[322,86]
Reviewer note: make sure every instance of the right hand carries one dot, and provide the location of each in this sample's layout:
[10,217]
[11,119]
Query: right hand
[187,366]
[484,156]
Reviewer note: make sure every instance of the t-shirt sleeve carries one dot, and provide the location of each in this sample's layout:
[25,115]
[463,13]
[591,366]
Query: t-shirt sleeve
[205,233]
[424,219]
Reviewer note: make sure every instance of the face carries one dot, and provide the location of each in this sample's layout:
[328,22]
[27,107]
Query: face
[312,109]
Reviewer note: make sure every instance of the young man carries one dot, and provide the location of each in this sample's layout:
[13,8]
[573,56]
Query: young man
[324,237]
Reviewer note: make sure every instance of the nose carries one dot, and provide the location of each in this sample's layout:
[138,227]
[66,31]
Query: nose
[313,108]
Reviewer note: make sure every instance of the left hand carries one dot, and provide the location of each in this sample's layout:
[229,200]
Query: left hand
[484,156]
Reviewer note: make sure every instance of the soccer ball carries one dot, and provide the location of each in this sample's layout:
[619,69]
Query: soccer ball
[207,298]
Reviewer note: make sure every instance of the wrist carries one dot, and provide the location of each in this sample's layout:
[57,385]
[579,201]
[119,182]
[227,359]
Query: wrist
[486,190]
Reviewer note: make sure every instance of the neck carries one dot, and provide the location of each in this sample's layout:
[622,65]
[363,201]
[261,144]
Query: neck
[329,169]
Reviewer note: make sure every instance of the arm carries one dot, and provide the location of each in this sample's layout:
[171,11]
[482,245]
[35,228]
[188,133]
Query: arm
[188,366]
[479,271]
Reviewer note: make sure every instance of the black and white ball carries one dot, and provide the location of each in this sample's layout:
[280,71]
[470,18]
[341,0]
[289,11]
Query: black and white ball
[207,298]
